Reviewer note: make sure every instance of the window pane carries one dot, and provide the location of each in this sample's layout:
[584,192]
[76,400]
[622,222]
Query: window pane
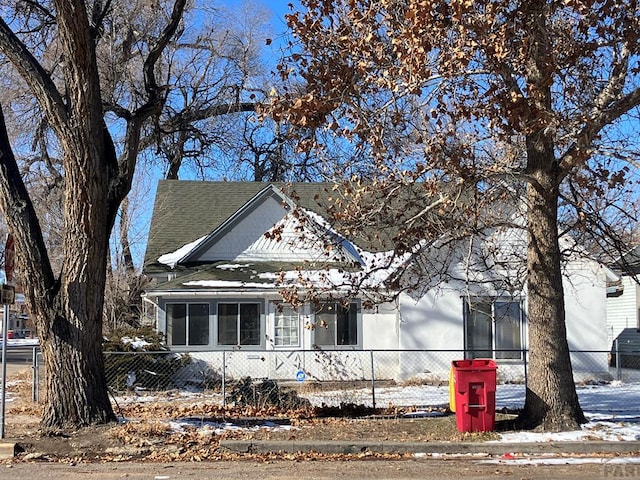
[336,325]
[249,324]
[177,324]
[294,339]
[227,323]
[286,326]
[508,334]
[479,330]
[347,325]
[199,324]
[324,332]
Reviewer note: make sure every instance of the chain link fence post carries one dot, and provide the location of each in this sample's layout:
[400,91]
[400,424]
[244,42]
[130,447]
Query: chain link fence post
[524,366]
[224,378]
[35,376]
[618,360]
[373,381]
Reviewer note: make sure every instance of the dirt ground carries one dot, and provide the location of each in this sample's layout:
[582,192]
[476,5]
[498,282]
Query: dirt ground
[144,449]
[146,433]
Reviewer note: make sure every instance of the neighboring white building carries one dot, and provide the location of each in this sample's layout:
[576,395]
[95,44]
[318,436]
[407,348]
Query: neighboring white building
[219,252]
[623,310]
[623,307]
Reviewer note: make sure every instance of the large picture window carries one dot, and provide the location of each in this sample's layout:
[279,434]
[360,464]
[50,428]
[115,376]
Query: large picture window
[336,325]
[239,324]
[286,326]
[493,327]
[187,324]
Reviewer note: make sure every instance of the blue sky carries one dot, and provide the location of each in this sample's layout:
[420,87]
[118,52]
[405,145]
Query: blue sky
[279,7]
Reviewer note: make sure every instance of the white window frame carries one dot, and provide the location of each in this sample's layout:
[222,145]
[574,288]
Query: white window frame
[516,354]
[170,324]
[318,325]
[285,311]
[239,344]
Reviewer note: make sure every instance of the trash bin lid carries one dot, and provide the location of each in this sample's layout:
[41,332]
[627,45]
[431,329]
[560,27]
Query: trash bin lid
[474,364]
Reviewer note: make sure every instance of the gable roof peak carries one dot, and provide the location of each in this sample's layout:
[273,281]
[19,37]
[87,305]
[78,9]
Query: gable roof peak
[186,210]
[267,192]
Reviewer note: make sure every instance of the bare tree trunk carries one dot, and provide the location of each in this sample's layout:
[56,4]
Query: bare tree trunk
[70,327]
[67,311]
[76,386]
[551,400]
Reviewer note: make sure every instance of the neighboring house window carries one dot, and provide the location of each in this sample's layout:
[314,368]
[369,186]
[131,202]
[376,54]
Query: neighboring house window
[493,326]
[239,324]
[336,325]
[286,326]
[187,324]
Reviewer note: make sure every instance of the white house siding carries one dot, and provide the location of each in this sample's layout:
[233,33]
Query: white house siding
[586,314]
[246,240]
[622,311]
[433,322]
[585,305]
[636,287]
[436,322]
[380,330]
[248,235]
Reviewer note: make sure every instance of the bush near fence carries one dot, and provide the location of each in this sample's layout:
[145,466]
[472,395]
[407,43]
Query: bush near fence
[139,359]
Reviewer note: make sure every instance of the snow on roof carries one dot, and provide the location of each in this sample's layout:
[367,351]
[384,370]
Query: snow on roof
[377,268]
[171,259]
[348,246]
[226,284]
[233,266]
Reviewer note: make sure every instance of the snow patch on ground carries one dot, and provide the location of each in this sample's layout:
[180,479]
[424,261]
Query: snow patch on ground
[613,409]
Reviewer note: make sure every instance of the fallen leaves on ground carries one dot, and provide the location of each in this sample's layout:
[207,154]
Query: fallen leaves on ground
[148,431]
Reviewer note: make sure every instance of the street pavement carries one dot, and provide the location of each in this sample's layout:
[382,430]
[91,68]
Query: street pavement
[369,469]
[587,448]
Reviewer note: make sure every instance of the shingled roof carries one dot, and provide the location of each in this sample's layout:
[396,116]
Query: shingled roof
[187,210]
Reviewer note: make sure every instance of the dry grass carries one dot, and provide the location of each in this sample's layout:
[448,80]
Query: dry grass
[147,434]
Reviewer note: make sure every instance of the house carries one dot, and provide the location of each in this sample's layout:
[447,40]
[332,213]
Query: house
[220,254]
[623,310]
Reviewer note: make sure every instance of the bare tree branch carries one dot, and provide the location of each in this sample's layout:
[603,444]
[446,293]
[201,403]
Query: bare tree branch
[32,72]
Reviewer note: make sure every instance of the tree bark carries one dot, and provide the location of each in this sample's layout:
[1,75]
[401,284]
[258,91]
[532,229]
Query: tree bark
[71,328]
[76,387]
[68,310]
[551,402]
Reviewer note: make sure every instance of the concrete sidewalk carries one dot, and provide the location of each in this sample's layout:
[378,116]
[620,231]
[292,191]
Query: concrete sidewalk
[593,448]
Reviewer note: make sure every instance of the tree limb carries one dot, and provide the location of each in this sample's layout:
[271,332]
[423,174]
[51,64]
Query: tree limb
[126,165]
[23,222]
[582,147]
[609,105]
[34,75]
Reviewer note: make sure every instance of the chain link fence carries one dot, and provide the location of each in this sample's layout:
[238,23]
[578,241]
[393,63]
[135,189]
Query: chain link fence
[374,378]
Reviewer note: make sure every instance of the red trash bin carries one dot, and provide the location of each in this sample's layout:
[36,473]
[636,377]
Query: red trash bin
[475,394]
